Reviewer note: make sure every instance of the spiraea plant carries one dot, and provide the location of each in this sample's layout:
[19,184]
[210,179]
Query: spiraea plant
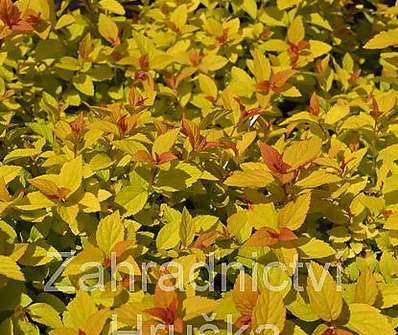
[198,167]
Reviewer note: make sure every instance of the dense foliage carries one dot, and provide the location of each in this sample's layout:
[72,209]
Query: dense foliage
[239,132]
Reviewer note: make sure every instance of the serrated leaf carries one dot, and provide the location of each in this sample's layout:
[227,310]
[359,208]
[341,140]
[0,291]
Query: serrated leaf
[367,320]
[244,294]
[165,142]
[325,298]
[187,228]
[366,287]
[253,176]
[315,249]
[44,314]
[270,312]
[132,198]
[110,231]
[10,269]
[302,152]
[294,213]
[79,310]
[196,306]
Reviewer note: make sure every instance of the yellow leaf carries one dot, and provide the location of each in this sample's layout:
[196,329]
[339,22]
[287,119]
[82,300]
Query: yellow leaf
[213,62]
[108,30]
[318,48]
[274,45]
[4,194]
[244,143]
[296,32]
[110,231]
[367,320]
[83,83]
[318,178]
[88,255]
[45,186]
[241,83]
[262,67]
[315,249]
[34,201]
[250,7]
[325,299]
[79,311]
[187,228]
[284,4]
[258,212]
[71,174]
[301,308]
[303,152]
[196,306]
[9,172]
[366,287]
[96,322]
[90,202]
[68,214]
[179,16]
[113,6]
[254,175]
[293,215]
[338,111]
[269,315]
[20,153]
[44,314]
[165,142]
[383,40]
[207,86]
[10,269]
[244,294]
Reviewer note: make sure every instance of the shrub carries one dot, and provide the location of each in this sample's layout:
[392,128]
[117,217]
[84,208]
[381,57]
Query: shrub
[248,147]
